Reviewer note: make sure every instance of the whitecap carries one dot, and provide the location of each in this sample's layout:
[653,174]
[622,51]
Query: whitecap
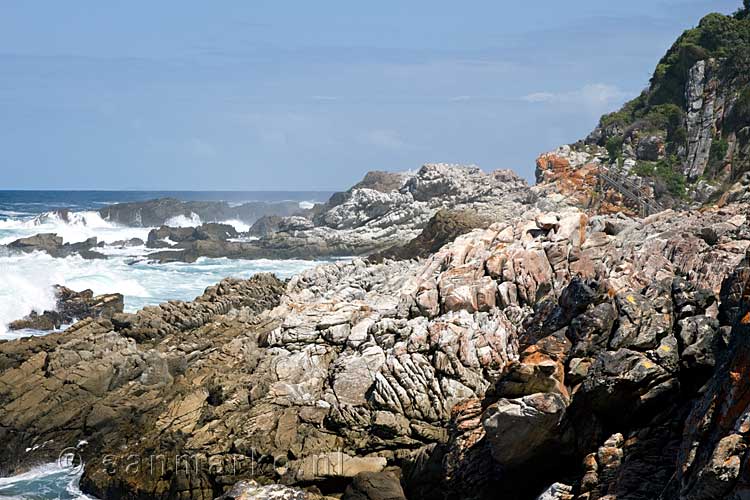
[239,226]
[46,481]
[79,227]
[30,279]
[182,221]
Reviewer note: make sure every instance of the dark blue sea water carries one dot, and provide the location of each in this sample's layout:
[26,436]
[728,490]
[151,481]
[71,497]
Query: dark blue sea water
[35,202]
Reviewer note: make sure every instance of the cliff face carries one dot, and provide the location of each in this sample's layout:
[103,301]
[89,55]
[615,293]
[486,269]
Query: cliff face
[687,137]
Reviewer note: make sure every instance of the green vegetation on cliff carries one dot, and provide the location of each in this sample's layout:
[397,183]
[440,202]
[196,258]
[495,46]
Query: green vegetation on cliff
[690,124]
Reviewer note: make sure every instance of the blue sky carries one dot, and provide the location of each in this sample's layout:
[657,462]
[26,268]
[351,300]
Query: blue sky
[254,95]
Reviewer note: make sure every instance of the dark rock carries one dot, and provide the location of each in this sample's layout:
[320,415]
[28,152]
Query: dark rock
[375,486]
[53,245]
[158,212]
[205,232]
[72,306]
[442,228]
[45,242]
[265,226]
[521,429]
[132,242]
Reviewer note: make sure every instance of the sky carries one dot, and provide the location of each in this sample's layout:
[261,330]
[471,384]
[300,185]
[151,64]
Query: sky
[300,95]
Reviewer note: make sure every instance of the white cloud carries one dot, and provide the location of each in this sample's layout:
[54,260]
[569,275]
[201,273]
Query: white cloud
[540,97]
[592,95]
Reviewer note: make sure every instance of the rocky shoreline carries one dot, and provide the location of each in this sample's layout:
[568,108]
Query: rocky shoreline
[382,212]
[552,337]
[486,339]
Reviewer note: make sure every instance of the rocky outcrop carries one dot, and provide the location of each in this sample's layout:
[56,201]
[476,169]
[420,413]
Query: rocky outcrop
[385,182]
[712,453]
[686,137]
[71,306]
[444,227]
[479,369]
[155,213]
[53,245]
[166,236]
[571,176]
[364,221]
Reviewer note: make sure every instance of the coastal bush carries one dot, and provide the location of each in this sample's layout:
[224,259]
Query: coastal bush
[644,169]
[719,148]
[740,116]
[614,148]
[665,172]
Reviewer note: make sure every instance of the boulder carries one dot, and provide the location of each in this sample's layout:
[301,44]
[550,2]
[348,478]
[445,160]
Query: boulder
[383,485]
[521,429]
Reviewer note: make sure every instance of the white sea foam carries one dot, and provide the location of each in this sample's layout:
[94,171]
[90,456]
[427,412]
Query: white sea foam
[46,481]
[79,227]
[29,279]
[182,221]
[241,227]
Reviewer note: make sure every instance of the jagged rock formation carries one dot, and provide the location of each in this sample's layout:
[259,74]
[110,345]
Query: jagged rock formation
[166,236]
[686,138]
[71,306]
[532,350]
[369,219]
[514,348]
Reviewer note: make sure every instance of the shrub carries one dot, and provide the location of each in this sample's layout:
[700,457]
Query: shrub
[740,116]
[644,169]
[719,148]
[614,147]
[665,172]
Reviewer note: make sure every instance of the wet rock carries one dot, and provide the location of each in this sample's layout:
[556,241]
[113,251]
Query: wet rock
[71,306]
[177,235]
[155,213]
[53,245]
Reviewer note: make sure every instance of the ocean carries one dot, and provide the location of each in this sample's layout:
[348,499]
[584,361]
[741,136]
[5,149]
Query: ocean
[27,280]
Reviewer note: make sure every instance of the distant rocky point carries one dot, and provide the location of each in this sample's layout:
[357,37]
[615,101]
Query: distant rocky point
[158,212]
[383,211]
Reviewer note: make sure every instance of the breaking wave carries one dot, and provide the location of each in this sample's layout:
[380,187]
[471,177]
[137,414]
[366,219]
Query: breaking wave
[71,226]
[44,482]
